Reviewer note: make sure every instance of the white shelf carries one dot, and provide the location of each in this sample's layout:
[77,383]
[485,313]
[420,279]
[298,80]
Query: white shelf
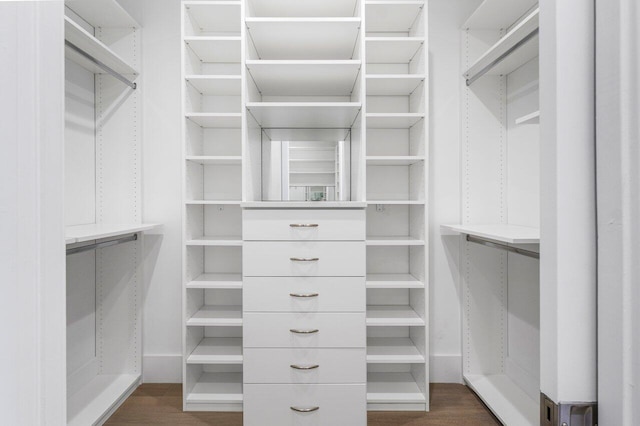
[376,120]
[393,160]
[400,240]
[303,204]
[99,397]
[216,281]
[216,120]
[213,388]
[396,202]
[102,13]
[511,234]
[292,172]
[498,14]
[393,281]
[510,404]
[93,231]
[533,118]
[393,84]
[215,159]
[215,49]
[304,38]
[491,63]
[392,16]
[221,16]
[393,350]
[390,388]
[392,50]
[392,316]
[297,8]
[218,240]
[219,85]
[219,316]
[305,114]
[80,38]
[213,202]
[217,350]
[304,78]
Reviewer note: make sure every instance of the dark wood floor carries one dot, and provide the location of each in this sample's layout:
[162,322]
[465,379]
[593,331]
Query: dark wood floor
[161,404]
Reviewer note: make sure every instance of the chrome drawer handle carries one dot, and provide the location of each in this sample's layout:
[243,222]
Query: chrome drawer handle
[304,225]
[304,259]
[304,295]
[297,331]
[305,410]
[304,367]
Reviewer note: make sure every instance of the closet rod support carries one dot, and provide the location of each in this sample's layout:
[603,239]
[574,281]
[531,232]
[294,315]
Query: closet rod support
[102,244]
[501,246]
[101,64]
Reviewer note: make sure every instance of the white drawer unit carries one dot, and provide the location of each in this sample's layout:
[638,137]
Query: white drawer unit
[304,329]
[304,294]
[304,258]
[305,365]
[304,225]
[305,405]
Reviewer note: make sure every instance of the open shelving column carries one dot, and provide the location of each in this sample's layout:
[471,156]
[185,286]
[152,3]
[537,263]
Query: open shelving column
[396,194]
[212,164]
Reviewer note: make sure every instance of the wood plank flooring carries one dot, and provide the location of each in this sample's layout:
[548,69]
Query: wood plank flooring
[161,404]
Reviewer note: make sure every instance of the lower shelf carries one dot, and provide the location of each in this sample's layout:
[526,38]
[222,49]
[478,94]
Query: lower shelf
[393,388]
[393,350]
[99,398]
[217,350]
[217,388]
[510,404]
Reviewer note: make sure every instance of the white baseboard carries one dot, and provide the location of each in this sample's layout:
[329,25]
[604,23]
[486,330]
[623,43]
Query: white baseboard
[445,369]
[162,369]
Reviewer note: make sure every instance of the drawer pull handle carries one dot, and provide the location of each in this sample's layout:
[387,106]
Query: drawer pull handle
[304,225]
[297,331]
[305,367]
[304,259]
[305,410]
[304,295]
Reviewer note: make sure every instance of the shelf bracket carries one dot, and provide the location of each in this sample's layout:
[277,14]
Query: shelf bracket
[497,245]
[102,244]
[101,64]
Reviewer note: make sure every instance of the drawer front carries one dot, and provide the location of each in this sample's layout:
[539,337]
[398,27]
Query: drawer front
[305,365]
[298,224]
[334,330]
[304,258]
[304,294]
[336,405]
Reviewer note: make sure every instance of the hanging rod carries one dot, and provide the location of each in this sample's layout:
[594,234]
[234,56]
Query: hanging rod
[502,57]
[101,64]
[501,246]
[102,244]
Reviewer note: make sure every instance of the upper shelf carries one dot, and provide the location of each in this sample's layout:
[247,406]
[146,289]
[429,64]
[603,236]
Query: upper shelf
[304,38]
[392,16]
[219,17]
[317,115]
[392,50]
[215,49]
[514,49]
[86,42]
[219,85]
[383,120]
[304,78]
[393,84]
[498,14]
[297,8]
[511,234]
[102,13]
[93,231]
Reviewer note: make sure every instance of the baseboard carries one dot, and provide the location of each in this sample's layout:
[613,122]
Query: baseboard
[445,369]
[162,369]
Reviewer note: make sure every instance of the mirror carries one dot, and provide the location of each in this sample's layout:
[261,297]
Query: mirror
[306,170]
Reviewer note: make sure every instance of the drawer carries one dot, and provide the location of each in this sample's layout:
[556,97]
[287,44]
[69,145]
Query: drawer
[336,405]
[334,330]
[299,224]
[304,258]
[304,294]
[305,365]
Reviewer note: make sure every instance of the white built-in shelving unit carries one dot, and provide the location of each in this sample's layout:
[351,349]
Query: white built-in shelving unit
[212,55]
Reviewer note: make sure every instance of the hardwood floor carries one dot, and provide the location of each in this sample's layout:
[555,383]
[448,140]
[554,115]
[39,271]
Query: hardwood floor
[161,404]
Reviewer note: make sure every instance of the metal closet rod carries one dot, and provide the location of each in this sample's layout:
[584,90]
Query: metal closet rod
[101,64]
[501,246]
[102,244]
